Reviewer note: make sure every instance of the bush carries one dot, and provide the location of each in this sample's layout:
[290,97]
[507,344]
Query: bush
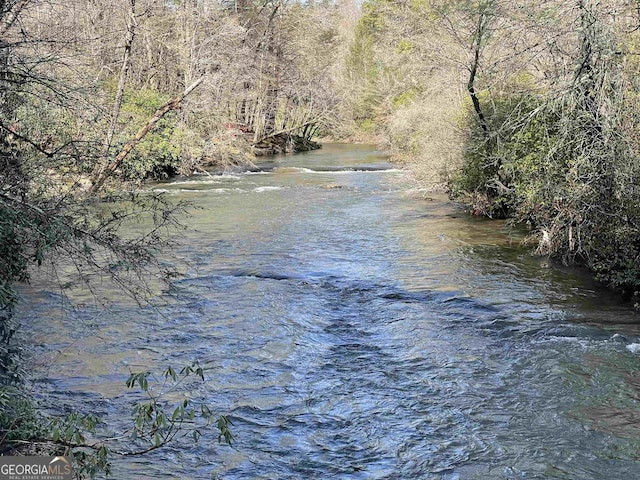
[19,420]
[568,167]
[425,135]
[158,155]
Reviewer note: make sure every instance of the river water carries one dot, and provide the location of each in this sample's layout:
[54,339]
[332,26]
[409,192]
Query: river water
[355,329]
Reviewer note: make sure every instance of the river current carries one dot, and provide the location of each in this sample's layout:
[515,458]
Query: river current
[355,329]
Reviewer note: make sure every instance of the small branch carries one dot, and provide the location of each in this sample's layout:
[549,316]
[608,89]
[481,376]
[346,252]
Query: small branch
[92,446]
[27,140]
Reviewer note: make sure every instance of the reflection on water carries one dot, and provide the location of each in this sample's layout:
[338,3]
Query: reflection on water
[356,330]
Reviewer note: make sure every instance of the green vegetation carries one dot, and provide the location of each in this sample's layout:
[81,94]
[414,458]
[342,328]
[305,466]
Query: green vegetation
[566,162]
[525,112]
[528,112]
[19,420]
[154,424]
[158,155]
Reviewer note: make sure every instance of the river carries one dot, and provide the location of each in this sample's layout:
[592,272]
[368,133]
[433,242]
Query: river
[359,330]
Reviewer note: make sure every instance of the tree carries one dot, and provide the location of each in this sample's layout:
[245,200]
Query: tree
[46,217]
[565,162]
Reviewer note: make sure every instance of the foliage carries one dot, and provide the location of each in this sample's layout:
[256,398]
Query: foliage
[514,150]
[158,154]
[363,69]
[152,422]
[567,163]
[404,90]
[155,423]
[19,419]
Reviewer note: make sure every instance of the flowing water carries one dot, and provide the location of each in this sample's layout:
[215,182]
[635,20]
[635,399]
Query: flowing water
[356,329]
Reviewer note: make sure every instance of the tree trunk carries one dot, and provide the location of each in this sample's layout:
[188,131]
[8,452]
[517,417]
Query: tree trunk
[473,72]
[188,41]
[124,70]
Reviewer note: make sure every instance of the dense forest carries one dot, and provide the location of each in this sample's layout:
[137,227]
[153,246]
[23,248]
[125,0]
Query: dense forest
[522,110]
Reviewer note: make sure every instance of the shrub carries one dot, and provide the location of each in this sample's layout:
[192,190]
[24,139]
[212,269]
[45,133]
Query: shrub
[425,135]
[158,154]
[492,161]
[18,417]
[568,166]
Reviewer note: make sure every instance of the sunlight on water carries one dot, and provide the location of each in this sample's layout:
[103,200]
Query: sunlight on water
[359,330]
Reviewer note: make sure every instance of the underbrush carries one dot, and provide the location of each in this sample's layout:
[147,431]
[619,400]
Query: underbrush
[568,167]
[425,136]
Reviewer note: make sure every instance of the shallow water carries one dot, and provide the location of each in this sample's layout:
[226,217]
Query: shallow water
[358,330]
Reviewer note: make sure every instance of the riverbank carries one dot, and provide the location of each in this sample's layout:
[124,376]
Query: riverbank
[365,273]
[331,316]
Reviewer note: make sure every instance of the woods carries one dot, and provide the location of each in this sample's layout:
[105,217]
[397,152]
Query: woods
[534,105]
[528,111]
[109,66]
[97,97]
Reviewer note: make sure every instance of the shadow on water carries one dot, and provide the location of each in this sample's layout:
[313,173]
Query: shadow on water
[356,330]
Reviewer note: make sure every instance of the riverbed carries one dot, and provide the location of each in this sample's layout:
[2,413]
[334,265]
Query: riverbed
[358,328]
